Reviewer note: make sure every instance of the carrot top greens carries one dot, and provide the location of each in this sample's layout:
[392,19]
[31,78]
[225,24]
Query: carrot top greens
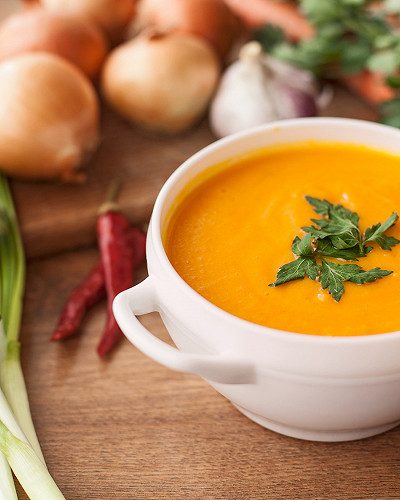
[336,235]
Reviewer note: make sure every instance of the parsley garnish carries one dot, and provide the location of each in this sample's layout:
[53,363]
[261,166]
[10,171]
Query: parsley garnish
[337,236]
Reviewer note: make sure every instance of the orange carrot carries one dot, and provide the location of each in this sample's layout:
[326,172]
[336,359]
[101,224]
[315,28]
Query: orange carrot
[284,14]
[255,13]
[370,86]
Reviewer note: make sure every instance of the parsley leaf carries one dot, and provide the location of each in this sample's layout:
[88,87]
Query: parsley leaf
[335,212]
[390,110]
[326,248]
[337,236]
[343,233]
[375,233]
[305,265]
[333,275]
[297,270]
[384,61]
[341,224]
[302,247]
[322,207]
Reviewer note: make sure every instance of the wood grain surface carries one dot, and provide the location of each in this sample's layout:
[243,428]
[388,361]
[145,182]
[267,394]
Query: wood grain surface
[125,427]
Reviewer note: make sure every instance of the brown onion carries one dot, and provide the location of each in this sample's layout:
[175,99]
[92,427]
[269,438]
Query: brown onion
[113,16]
[210,19]
[37,29]
[8,8]
[49,117]
[161,82]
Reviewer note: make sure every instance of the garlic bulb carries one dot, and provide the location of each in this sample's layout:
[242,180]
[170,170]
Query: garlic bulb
[49,117]
[257,89]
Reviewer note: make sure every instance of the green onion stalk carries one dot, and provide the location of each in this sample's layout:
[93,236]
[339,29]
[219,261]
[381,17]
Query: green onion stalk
[19,444]
[7,486]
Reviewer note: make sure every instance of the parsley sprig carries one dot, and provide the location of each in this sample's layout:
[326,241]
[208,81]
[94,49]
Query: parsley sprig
[350,36]
[336,235]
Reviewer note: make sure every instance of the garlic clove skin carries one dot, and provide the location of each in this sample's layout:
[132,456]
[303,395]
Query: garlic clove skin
[300,79]
[303,104]
[240,101]
[49,118]
[257,89]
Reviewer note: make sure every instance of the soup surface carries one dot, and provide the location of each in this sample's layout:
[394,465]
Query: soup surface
[229,234]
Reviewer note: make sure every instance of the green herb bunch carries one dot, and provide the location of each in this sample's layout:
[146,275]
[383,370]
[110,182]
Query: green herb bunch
[336,236]
[350,36]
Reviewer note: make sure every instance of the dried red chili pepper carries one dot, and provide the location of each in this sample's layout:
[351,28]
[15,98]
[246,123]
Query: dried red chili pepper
[92,289]
[88,293]
[122,248]
[116,257]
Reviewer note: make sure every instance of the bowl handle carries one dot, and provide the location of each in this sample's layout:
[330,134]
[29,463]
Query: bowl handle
[222,368]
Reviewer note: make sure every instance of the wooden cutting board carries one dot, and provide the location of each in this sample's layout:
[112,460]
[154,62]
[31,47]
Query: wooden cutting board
[57,217]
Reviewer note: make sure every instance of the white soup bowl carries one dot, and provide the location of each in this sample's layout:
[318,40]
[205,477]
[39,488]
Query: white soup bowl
[305,386]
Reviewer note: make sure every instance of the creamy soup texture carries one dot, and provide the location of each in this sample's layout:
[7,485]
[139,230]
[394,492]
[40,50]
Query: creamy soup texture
[231,232]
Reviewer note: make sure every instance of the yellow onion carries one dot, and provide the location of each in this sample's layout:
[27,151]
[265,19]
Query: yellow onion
[9,7]
[162,82]
[113,16]
[49,117]
[37,29]
[210,19]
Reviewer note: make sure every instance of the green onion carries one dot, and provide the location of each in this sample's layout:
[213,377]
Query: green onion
[12,281]
[18,440]
[7,487]
[29,469]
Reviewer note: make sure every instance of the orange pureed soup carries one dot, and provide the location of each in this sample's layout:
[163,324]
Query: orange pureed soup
[232,228]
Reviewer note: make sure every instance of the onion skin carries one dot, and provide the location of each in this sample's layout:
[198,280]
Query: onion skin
[8,8]
[49,118]
[210,19]
[36,29]
[112,16]
[161,82]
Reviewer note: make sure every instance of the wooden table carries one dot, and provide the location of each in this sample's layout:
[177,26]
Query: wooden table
[125,427]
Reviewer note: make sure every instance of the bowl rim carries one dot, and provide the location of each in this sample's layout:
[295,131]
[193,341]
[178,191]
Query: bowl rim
[281,335]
